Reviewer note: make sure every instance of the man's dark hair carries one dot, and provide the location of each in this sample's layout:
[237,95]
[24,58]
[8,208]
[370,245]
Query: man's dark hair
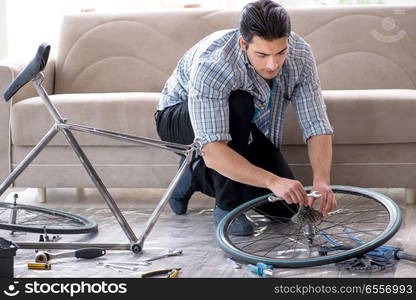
[266,19]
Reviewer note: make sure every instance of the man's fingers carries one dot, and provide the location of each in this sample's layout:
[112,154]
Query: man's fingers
[322,203]
[328,204]
[333,202]
[310,201]
[301,198]
[289,199]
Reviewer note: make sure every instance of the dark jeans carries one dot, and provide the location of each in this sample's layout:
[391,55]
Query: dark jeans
[174,125]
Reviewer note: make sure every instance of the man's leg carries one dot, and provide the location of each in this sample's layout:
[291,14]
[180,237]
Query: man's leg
[173,125]
[229,193]
[263,153]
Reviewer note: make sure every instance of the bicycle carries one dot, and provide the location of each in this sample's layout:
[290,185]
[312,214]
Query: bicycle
[33,72]
[302,230]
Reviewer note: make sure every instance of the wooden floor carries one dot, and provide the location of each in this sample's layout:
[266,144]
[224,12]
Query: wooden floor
[192,233]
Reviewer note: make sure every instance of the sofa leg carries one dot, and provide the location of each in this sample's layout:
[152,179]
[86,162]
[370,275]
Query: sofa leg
[42,195]
[410,195]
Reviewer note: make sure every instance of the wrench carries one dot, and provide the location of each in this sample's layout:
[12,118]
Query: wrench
[314,194]
[44,257]
[133,265]
[138,263]
[171,252]
[112,266]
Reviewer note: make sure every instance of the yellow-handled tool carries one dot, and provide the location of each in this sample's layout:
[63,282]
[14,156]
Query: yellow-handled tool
[160,272]
[38,266]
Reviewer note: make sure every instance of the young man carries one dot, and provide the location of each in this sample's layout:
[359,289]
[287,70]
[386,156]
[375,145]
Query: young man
[229,93]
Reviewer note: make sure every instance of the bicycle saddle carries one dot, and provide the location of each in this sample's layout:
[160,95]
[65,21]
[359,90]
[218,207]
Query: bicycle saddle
[35,66]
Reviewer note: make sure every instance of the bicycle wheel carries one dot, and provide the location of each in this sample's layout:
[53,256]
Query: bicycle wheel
[362,221]
[27,218]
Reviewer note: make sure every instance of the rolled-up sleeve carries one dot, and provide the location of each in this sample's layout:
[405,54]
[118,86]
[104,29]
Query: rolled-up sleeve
[308,101]
[209,88]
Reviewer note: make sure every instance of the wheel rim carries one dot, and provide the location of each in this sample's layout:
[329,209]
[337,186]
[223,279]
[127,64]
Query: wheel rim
[296,245]
[38,220]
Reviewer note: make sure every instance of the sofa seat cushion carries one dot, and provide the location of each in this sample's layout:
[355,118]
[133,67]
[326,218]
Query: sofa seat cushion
[130,113]
[358,117]
[365,117]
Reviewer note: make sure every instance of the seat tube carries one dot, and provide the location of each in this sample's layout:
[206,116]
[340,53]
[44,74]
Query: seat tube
[37,82]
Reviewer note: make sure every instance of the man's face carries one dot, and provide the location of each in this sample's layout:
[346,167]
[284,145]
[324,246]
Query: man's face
[267,57]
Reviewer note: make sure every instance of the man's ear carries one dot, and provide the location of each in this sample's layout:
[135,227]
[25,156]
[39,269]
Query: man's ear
[243,43]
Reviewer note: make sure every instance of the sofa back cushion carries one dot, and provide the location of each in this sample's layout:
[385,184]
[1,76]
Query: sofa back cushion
[355,47]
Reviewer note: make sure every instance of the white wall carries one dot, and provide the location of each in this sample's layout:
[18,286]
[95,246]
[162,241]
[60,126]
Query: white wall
[3,29]
[32,22]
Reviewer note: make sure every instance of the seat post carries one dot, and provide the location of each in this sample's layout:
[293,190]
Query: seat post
[37,82]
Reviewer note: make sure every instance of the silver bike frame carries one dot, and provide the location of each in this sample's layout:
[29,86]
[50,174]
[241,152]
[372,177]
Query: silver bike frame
[135,244]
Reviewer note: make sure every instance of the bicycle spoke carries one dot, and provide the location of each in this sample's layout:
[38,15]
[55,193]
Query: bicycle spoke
[37,219]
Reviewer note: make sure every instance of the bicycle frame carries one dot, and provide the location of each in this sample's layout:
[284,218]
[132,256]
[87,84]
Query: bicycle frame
[135,244]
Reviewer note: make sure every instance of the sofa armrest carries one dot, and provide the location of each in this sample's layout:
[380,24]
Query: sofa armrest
[8,72]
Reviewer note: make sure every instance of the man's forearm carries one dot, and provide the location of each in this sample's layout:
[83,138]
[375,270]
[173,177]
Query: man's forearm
[229,163]
[320,156]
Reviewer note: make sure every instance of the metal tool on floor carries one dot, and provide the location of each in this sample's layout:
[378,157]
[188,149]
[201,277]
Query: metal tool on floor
[174,273]
[146,262]
[45,237]
[171,252]
[235,264]
[159,272]
[261,269]
[125,263]
[39,266]
[87,253]
[117,266]
[112,268]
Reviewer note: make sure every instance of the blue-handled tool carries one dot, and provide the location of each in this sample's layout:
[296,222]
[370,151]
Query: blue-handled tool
[261,269]
[382,252]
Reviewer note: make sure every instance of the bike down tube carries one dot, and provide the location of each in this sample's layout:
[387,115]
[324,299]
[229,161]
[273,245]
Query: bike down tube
[101,187]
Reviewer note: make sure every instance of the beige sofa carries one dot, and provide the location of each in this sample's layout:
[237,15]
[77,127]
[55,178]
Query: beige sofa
[110,68]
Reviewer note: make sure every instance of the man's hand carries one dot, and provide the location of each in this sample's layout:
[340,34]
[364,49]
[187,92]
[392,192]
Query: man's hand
[290,190]
[320,155]
[327,201]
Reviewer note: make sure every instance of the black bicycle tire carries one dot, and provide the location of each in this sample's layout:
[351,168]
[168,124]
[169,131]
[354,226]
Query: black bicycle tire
[88,225]
[391,229]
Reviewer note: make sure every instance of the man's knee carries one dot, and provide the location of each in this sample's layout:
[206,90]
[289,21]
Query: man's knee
[241,106]
[174,125]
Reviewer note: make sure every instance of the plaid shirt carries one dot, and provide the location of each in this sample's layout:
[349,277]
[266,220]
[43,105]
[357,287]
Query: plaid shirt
[213,68]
